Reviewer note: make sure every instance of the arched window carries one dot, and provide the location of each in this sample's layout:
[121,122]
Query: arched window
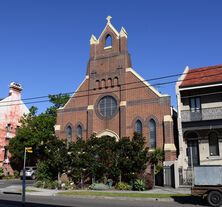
[213,144]
[152,129]
[79,131]
[116,82]
[103,83]
[108,41]
[109,82]
[69,133]
[138,127]
[97,84]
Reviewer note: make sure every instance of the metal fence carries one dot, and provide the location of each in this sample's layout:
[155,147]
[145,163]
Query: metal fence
[185,176]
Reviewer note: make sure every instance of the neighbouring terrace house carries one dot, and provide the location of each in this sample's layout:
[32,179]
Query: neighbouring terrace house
[12,109]
[199,98]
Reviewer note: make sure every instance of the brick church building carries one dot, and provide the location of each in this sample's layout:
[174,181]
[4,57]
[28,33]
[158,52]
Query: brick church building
[114,100]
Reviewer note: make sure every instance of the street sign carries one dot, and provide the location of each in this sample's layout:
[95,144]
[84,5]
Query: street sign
[29,149]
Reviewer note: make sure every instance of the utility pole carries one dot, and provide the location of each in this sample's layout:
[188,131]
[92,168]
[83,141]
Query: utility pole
[29,150]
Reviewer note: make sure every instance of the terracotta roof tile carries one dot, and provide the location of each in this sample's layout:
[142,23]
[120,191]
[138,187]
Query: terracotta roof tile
[203,76]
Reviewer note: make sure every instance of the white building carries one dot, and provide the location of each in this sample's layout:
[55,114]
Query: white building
[12,109]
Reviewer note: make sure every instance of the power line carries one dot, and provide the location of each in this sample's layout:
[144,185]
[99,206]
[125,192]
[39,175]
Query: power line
[147,102]
[134,82]
[78,96]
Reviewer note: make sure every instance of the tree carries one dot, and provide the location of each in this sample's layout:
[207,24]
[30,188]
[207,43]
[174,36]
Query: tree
[156,159]
[103,157]
[132,157]
[78,162]
[36,131]
[55,160]
[96,158]
[58,101]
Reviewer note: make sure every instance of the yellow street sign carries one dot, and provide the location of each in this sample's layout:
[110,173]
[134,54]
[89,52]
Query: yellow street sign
[29,149]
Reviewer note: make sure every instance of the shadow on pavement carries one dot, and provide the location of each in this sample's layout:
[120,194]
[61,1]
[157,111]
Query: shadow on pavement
[7,203]
[192,200]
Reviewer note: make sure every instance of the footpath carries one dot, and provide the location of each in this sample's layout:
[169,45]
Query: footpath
[17,189]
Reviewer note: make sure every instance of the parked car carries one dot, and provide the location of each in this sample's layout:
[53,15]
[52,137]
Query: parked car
[30,172]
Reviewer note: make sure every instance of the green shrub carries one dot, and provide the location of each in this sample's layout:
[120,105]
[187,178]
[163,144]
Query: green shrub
[72,186]
[1,172]
[65,185]
[38,184]
[16,174]
[8,177]
[54,185]
[158,168]
[123,186]
[139,185]
[110,183]
[98,186]
[49,184]
[43,171]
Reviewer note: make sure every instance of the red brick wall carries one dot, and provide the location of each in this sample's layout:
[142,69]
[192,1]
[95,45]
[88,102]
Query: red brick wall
[107,75]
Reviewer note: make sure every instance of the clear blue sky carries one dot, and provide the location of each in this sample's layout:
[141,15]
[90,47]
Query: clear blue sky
[44,44]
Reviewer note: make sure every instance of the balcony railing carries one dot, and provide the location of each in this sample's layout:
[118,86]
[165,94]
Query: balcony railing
[185,176]
[202,115]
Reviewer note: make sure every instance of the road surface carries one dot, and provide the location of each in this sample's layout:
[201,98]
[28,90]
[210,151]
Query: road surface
[11,200]
[65,201]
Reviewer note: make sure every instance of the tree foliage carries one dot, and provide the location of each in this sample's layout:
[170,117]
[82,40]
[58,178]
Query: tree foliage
[96,159]
[132,157]
[53,159]
[36,131]
[58,101]
[103,158]
[156,159]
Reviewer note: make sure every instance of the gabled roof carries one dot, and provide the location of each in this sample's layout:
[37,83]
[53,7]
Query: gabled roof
[202,76]
[145,82]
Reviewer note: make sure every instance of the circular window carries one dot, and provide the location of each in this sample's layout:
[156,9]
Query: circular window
[107,106]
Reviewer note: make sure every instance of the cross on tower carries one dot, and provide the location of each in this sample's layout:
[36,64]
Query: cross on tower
[108,19]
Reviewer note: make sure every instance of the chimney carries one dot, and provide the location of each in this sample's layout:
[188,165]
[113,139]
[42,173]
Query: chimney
[15,88]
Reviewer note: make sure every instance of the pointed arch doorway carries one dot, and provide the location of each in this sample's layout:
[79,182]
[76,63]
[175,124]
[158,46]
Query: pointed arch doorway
[108,132]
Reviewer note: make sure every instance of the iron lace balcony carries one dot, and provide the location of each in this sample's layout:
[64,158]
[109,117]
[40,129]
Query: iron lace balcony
[202,115]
